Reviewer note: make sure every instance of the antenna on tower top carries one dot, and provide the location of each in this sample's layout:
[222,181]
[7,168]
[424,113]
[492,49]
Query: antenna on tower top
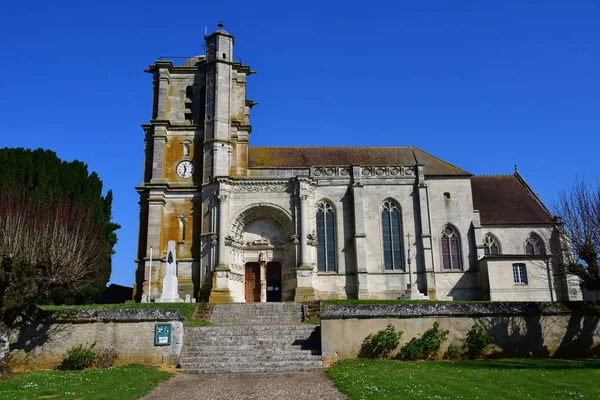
[205,30]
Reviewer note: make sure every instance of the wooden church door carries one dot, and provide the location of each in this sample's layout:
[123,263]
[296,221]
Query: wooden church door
[252,282]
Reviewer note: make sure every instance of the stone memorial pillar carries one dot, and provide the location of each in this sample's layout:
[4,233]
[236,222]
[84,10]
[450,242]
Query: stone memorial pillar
[170,286]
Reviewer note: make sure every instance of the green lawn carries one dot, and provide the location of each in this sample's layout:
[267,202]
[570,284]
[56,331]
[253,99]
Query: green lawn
[186,309]
[486,379]
[118,383]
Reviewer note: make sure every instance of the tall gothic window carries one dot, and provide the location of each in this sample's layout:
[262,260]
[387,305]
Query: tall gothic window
[534,245]
[325,237]
[450,249]
[392,236]
[490,245]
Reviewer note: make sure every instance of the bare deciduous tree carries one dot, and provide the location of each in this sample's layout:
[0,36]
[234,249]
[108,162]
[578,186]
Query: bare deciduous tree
[41,246]
[579,209]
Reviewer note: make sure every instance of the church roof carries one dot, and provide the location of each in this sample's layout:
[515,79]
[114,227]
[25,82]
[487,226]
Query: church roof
[304,157]
[507,199]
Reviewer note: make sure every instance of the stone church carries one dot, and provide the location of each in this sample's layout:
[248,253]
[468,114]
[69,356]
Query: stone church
[255,224]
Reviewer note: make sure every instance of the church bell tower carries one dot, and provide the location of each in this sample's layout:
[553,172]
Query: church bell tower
[197,134]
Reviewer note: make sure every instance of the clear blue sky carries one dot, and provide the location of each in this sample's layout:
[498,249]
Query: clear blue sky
[480,84]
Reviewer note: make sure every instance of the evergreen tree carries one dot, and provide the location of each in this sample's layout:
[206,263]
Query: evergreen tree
[43,177]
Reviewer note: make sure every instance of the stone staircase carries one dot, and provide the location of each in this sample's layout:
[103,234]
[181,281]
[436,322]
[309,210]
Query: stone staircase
[252,338]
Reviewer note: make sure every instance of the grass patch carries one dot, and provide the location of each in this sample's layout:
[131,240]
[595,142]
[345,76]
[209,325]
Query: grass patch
[118,383]
[186,309]
[313,321]
[484,379]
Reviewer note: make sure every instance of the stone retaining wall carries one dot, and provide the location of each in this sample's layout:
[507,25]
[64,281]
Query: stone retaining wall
[521,329]
[43,344]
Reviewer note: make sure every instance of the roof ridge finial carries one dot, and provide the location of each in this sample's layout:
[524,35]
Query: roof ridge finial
[220,25]
[516,169]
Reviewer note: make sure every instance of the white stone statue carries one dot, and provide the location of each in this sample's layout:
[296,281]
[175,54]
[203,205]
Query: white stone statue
[170,286]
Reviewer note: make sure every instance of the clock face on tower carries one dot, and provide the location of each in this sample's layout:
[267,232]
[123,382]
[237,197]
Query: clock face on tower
[185,169]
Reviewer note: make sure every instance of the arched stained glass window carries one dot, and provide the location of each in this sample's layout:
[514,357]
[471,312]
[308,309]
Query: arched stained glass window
[490,245]
[325,237]
[534,246]
[392,236]
[450,249]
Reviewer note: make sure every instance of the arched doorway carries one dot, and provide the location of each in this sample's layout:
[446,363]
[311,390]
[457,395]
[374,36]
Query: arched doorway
[264,236]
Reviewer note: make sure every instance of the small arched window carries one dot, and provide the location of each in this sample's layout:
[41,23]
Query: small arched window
[450,249]
[189,105]
[534,246]
[391,228]
[490,245]
[325,237]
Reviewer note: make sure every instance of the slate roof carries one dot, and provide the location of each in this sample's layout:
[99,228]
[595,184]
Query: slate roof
[507,199]
[305,157]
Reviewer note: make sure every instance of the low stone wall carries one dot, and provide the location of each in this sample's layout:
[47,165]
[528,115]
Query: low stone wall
[43,344]
[520,329]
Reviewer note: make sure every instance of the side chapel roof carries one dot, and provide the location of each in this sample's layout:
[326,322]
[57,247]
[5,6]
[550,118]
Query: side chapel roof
[307,156]
[507,199]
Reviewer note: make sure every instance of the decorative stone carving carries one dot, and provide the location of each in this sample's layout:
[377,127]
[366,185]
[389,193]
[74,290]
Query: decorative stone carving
[265,213]
[312,239]
[259,186]
[308,185]
[222,198]
[364,171]
[259,242]
[304,273]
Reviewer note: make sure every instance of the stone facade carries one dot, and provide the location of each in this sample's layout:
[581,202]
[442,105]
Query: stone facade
[306,223]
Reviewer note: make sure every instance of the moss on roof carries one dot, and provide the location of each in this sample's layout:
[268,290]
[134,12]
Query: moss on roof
[306,156]
[505,199]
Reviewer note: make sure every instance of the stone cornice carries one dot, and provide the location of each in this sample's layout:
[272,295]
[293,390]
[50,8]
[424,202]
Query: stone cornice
[450,309]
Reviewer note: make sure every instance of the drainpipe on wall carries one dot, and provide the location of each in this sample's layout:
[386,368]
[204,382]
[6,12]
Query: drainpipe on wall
[549,279]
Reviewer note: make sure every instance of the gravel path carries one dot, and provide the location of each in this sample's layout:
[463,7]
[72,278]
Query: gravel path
[298,386]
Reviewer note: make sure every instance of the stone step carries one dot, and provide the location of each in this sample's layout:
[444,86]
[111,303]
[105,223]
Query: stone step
[252,338]
[253,329]
[251,367]
[252,342]
[256,313]
[231,352]
[250,347]
[246,358]
[254,370]
[245,335]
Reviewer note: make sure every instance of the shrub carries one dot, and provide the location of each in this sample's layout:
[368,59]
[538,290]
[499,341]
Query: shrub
[453,353]
[381,344]
[78,357]
[412,350]
[106,357]
[477,341]
[425,347]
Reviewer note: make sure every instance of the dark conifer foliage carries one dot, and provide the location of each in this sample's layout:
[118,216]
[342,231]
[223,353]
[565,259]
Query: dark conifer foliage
[42,176]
